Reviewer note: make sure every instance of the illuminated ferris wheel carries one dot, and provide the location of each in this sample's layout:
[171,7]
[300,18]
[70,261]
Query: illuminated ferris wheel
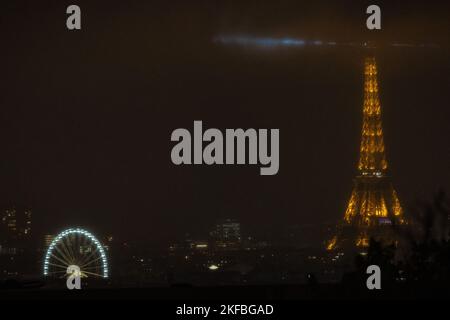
[76,247]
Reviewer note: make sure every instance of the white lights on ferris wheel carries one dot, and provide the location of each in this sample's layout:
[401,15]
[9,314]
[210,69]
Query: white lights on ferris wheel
[76,246]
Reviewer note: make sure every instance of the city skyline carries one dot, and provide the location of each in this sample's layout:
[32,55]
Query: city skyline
[87,123]
[220,150]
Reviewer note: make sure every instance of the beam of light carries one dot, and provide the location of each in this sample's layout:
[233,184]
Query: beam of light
[268,42]
[259,42]
[272,42]
[420,45]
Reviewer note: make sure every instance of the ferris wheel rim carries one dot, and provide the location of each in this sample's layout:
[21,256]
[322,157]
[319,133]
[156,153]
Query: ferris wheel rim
[89,235]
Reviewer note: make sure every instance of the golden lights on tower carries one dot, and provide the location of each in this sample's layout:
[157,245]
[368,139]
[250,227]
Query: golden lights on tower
[373,202]
[372,157]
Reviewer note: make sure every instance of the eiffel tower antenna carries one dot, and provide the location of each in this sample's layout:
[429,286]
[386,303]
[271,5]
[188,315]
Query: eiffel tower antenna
[373,206]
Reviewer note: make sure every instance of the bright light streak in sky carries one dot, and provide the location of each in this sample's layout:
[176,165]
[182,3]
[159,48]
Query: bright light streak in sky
[268,42]
[260,42]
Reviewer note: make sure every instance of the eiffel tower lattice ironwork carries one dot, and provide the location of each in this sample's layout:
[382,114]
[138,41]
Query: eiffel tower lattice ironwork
[373,206]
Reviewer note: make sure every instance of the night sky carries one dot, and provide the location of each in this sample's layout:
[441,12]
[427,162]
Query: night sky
[86,116]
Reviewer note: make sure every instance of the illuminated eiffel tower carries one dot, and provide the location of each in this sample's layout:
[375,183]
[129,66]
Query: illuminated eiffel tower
[373,207]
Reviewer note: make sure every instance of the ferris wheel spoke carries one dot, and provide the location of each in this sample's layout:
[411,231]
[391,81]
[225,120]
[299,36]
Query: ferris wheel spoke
[85,257]
[91,262]
[97,267]
[70,247]
[58,266]
[89,256]
[65,252]
[92,273]
[67,248]
[67,263]
[64,255]
[59,274]
[83,245]
[79,247]
[54,272]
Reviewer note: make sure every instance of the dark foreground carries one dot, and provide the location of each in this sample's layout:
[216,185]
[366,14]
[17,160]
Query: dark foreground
[234,293]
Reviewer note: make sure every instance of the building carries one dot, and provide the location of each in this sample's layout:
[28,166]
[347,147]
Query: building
[48,238]
[15,229]
[226,234]
[373,207]
[9,222]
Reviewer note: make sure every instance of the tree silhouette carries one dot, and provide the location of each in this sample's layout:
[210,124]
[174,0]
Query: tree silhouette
[422,254]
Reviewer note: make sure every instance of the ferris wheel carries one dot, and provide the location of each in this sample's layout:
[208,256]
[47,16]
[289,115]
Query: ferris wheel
[75,247]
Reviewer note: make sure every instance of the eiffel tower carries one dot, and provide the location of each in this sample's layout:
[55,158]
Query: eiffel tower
[373,207]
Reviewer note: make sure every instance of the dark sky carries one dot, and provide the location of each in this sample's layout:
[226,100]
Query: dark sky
[86,116]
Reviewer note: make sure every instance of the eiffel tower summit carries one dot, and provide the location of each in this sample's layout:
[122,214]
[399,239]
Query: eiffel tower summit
[373,208]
